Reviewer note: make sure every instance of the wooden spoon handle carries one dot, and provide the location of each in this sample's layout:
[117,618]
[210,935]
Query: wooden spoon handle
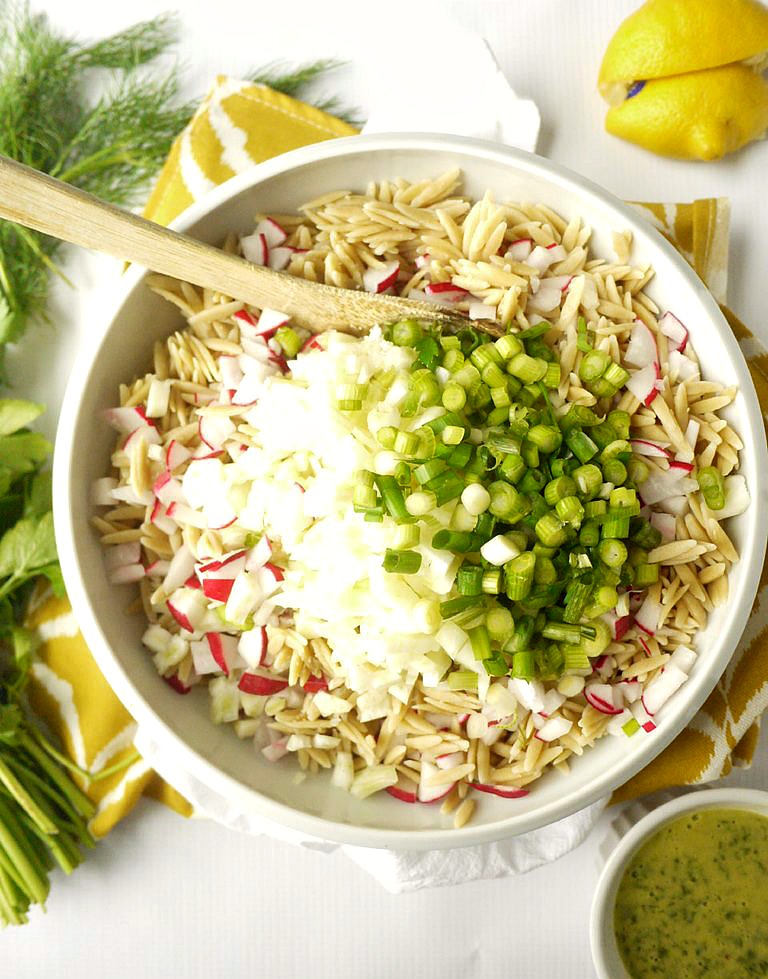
[38,201]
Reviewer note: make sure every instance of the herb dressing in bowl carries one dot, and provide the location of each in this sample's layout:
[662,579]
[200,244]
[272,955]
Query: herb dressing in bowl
[691,901]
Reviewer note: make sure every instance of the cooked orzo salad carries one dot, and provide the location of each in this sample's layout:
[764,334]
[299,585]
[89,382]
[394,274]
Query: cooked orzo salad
[432,564]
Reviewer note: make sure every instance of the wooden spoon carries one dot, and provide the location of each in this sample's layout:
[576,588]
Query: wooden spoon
[38,201]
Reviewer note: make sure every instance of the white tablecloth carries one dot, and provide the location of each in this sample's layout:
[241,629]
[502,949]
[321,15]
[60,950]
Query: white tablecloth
[161,899]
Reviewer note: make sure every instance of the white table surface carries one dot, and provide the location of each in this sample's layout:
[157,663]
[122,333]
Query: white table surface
[161,898]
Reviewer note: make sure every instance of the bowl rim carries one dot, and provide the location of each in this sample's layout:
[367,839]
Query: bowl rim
[197,765]
[601,936]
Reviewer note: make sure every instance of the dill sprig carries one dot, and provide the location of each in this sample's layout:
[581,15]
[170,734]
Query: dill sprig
[110,147]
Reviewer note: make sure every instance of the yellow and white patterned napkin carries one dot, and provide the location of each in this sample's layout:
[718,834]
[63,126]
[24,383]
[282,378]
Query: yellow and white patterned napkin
[240,124]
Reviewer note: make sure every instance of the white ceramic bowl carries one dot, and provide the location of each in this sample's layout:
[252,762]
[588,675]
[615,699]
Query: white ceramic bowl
[605,952]
[122,348]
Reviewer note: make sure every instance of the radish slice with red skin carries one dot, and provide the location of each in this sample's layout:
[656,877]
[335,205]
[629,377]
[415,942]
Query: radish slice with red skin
[402,790]
[188,607]
[119,555]
[176,455]
[255,248]
[101,491]
[253,646]
[647,616]
[643,383]
[223,650]
[683,658]
[274,233]
[217,589]
[422,261]
[642,349]
[500,790]
[665,523]
[259,554]
[231,372]
[126,574]
[674,330]
[642,716]
[686,467]
[378,280]
[642,447]
[631,690]
[431,793]
[661,688]
[262,686]
[519,250]
[645,646]
[159,517]
[157,569]
[312,343]
[176,684]
[202,658]
[541,258]
[554,728]
[450,760]
[228,567]
[127,420]
[275,751]
[683,367]
[602,696]
[552,700]
[168,489]
[215,430]
[315,683]
[279,258]
[182,567]
[270,321]
[444,293]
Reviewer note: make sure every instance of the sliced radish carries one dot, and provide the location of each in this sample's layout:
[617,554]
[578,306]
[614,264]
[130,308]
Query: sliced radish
[400,791]
[270,321]
[682,465]
[275,751]
[223,649]
[315,684]
[602,696]
[253,646]
[312,343]
[119,555]
[552,700]
[175,683]
[159,517]
[101,491]
[422,261]
[431,793]
[682,367]
[182,566]
[450,760]
[127,420]
[547,296]
[672,328]
[683,658]
[444,293]
[480,311]
[645,646]
[157,569]
[661,688]
[692,432]
[279,258]
[519,250]
[648,615]
[642,716]
[231,372]
[259,554]
[158,397]
[665,524]
[176,455]
[541,258]
[660,486]
[269,578]
[631,690]
[500,790]
[274,233]
[215,430]
[246,592]
[262,686]
[188,607]
[554,728]
[168,489]
[643,383]
[192,582]
[616,724]
[218,589]
[381,279]
[641,350]
[255,249]
[126,574]
[229,566]
[642,447]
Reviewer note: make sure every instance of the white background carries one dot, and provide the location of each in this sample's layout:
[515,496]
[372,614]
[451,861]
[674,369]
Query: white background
[162,898]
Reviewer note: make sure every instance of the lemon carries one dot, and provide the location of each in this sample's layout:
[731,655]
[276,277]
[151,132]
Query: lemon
[683,77]
[701,115]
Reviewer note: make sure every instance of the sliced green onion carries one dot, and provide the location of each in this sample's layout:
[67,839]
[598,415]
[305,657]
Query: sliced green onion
[428,470]
[457,541]
[545,572]
[615,525]
[405,536]
[349,397]
[612,552]
[401,562]
[588,478]
[570,511]
[480,642]
[421,503]
[712,486]
[582,342]
[509,346]
[486,353]
[289,340]
[581,445]
[562,632]
[558,489]
[493,581]
[575,658]
[576,600]
[499,623]
[550,530]
[593,365]
[469,580]
[407,333]
[552,377]
[620,422]
[545,437]
[646,575]
[614,471]
[527,369]
[519,575]
[392,497]
[454,606]
[386,436]
[454,396]
[616,375]
[523,664]
[512,468]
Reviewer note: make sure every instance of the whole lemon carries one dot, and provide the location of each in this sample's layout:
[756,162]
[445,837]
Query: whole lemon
[683,77]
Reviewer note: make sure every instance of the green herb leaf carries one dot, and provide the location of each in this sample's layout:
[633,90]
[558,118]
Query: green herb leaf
[24,643]
[26,548]
[22,452]
[39,498]
[53,573]
[16,414]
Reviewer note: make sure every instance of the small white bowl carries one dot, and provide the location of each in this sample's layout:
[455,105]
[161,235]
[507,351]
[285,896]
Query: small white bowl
[605,952]
[122,348]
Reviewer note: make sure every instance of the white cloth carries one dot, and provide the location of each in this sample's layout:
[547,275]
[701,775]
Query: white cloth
[453,85]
